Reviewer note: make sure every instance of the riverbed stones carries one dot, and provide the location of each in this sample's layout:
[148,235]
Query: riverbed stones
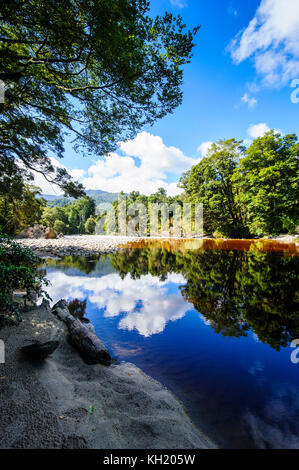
[36,231]
[76,245]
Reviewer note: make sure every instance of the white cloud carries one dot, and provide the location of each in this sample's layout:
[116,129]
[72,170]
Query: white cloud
[148,302]
[204,148]
[232,10]
[46,188]
[42,183]
[146,164]
[49,188]
[258,130]
[250,101]
[179,3]
[77,173]
[271,39]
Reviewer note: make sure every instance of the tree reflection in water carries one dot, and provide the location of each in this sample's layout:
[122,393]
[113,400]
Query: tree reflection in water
[235,290]
[241,393]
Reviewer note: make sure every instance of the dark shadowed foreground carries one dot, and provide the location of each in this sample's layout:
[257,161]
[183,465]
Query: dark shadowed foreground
[63,403]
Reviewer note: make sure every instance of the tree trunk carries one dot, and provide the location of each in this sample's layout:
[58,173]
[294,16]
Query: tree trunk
[90,347]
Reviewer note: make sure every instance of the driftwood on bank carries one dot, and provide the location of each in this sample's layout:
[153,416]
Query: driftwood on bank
[81,337]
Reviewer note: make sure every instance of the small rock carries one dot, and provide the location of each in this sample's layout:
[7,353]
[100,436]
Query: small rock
[37,231]
[50,234]
[39,350]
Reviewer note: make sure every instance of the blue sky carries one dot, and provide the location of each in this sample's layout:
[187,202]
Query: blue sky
[237,85]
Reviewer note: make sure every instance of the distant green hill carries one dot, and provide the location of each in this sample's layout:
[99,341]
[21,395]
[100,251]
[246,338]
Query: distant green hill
[96,194]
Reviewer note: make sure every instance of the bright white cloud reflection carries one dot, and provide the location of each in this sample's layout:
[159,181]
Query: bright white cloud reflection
[145,304]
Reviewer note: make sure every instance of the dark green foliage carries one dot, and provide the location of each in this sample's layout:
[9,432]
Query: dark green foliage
[160,196]
[210,183]
[60,227]
[19,270]
[268,184]
[19,207]
[235,291]
[59,201]
[99,70]
[156,261]
[90,225]
[77,217]
[248,192]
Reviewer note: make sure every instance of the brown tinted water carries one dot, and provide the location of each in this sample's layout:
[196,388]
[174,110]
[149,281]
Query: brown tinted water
[183,245]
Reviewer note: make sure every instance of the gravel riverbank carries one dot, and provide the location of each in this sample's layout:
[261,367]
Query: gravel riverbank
[77,245]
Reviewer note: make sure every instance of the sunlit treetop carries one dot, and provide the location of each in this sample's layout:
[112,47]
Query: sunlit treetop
[98,69]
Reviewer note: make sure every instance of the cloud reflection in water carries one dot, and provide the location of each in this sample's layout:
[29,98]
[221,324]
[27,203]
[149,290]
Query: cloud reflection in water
[147,304]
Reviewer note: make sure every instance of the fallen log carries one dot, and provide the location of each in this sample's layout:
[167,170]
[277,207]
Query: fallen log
[82,338]
[60,309]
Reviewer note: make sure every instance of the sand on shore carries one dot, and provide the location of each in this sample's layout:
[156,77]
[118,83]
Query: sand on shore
[63,403]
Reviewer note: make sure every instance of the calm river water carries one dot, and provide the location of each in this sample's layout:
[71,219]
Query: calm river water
[212,320]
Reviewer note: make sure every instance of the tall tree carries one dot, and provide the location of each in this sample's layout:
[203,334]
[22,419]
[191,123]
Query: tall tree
[98,69]
[20,209]
[268,182]
[210,183]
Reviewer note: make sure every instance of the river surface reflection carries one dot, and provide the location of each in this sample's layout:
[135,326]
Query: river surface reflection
[212,320]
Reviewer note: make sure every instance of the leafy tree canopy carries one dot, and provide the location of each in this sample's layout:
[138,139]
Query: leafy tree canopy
[97,69]
[19,207]
[268,183]
[19,270]
[76,217]
[210,183]
[160,196]
[253,191]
